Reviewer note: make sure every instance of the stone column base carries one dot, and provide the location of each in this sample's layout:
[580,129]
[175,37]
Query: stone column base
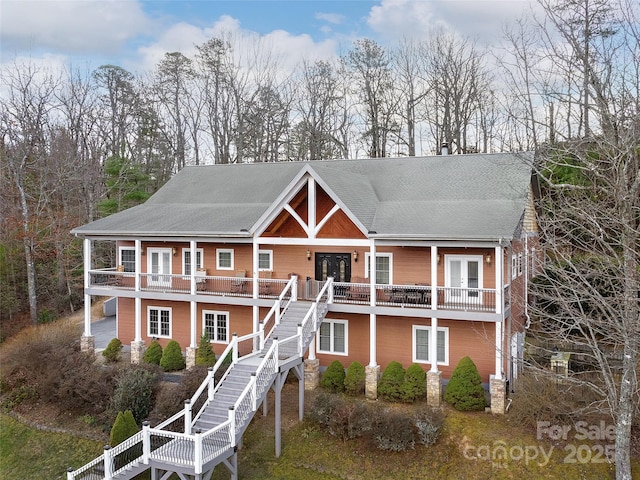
[311,374]
[434,389]
[190,357]
[137,352]
[371,381]
[88,344]
[498,391]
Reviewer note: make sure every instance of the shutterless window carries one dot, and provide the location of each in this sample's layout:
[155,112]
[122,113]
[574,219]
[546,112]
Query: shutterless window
[333,337]
[383,268]
[159,322]
[421,345]
[265,260]
[128,259]
[186,260]
[224,259]
[216,326]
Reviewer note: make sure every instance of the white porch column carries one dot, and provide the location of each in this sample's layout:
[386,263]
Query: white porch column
[137,346]
[499,350]
[433,345]
[87,341]
[433,339]
[372,317]
[256,290]
[499,263]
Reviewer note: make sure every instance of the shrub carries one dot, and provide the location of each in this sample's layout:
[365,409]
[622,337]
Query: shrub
[333,377]
[323,407]
[394,432]
[123,428]
[415,384]
[355,379]
[391,382]
[134,391]
[172,358]
[153,353]
[205,354]
[464,391]
[428,423]
[112,352]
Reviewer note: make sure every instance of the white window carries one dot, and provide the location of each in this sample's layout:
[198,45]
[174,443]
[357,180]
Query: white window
[186,260]
[224,259]
[216,326]
[159,322]
[384,268]
[333,337]
[514,266]
[265,260]
[128,258]
[422,343]
[463,278]
[519,264]
[159,266]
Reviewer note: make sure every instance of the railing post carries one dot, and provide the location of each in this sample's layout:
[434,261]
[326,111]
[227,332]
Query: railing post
[234,340]
[254,388]
[300,350]
[232,426]
[276,354]
[187,417]
[261,330]
[108,463]
[70,475]
[197,454]
[330,290]
[211,381]
[294,288]
[146,442]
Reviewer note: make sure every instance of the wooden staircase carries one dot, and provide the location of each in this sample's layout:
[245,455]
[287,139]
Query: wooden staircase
[206,433]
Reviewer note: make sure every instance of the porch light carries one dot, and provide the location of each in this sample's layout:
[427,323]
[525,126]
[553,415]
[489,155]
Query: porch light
[438,259]
[355,255]
[174,250]
[308,254]
[488,259]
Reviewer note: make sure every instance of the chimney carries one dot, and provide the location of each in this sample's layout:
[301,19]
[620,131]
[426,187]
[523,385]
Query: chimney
[445,149]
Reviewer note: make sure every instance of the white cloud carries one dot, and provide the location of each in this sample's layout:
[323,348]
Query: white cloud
[70,26]
[334,18]
[482,19]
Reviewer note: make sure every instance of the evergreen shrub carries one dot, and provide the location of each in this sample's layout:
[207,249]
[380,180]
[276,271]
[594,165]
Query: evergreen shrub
[124,427]
[464,391]
[354,380]
[333,378]
[112,352]
[135,392]
[391,382]
[205,354]
[153,353]
[415,384]
[172,358]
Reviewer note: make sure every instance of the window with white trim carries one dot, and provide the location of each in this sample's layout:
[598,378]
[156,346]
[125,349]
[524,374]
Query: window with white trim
[520,264]
[422,343]
[333,337]
[384,268]
[128,258]
[186,260]
[216,325]
[159,322]
[514,266]
[265,260]
[224,258]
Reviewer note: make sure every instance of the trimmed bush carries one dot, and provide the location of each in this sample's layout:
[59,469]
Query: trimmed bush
[124,427]
[354,380]
[333,377]
[391,382]
[464,391]
[205,354]
[172,358]
[153,353]
[134,392]
[112,352]
[415,384]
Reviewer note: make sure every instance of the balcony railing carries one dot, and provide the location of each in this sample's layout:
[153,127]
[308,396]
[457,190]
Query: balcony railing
[413,296]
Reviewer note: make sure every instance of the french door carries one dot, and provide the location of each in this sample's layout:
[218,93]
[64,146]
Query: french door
[159,267]
[463,279]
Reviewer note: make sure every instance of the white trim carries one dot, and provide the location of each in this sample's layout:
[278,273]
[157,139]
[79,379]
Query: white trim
[200,263]
[514,266]
[217,313]
[519,264]
[266,252]
[224,250]
[332,350]
[377,255]
[127,248]
[428,329]
[159,309]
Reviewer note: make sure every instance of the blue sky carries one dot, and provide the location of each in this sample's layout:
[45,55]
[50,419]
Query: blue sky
[135,34]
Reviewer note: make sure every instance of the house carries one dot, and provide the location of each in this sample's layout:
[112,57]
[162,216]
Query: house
[429,259]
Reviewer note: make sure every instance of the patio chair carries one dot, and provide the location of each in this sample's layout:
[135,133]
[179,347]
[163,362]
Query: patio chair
[357,292]
[238,284]
[265,287]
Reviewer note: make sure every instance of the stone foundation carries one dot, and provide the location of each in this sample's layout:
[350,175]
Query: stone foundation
[88,344]
[434,389]
[371,381]
[190,356]
[498,391]
[137,352]
[311,374]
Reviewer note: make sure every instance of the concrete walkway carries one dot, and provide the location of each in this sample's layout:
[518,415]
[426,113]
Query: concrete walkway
[104,330]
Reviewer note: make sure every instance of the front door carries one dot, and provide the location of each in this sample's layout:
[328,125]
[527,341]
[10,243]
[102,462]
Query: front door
[463,277]
[336,265]
[159,267]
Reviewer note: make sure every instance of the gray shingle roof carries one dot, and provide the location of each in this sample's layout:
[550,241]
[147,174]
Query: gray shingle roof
[440,197]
